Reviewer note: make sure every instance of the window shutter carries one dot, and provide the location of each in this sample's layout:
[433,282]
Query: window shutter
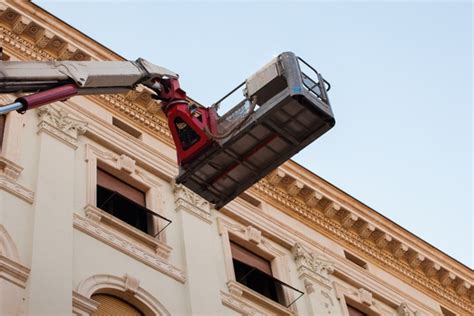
[110,182]
[243,255]
[111,305]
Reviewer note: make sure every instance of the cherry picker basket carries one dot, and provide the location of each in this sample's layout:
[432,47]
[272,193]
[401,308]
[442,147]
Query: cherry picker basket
[284,110]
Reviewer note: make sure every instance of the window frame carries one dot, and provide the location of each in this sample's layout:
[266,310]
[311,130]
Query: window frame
[115,186]
[125,169]
[253,240]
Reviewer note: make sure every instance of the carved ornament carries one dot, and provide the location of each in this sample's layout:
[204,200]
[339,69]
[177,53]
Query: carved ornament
[188,201]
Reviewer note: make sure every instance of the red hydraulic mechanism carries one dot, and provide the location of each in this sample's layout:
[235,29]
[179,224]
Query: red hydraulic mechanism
[187,123]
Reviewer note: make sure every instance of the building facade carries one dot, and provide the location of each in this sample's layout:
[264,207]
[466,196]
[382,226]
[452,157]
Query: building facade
[293,244]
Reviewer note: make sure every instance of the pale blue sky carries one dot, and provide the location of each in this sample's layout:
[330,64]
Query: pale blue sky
[401,75]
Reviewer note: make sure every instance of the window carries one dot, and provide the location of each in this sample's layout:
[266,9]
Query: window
[126,128]
[354,311]
[361,263]
[112,305]
[447,312]
[255,272]
[123,201]
[2,129]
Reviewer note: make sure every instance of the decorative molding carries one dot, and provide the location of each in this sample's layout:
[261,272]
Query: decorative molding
[17,189]
[399,249]
[9,173]
[132,284]
[391,260]
[294,188]
[119,227]
[430,268]
[360,296]
[103,283]
[312,268]
[186,200]
[275,177]
[13,278]
[313,199]
[308,286]
[404,310]
[256,237]
[13,271]
[446,277]
[253,235]
[134,250]
[83,306]
[462,287]
[58,123]
[125,163]
[7,245]
[382,240]
[415,259]
[248,302]
[365,230]
[348,220]
[240,306]
[9,169]
[331,210]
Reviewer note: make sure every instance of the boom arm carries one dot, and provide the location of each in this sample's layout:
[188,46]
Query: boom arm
[58,80]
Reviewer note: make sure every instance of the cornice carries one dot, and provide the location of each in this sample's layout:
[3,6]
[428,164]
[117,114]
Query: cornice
[328,216]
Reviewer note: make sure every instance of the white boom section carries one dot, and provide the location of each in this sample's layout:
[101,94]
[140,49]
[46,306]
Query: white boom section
[89,76]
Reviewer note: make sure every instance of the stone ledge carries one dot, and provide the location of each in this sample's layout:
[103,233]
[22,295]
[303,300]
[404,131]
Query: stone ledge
[129,248]
[109,221]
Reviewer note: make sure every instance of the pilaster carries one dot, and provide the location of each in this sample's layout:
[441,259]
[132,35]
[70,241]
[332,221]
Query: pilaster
[314,271]
[199,248]
[50,289]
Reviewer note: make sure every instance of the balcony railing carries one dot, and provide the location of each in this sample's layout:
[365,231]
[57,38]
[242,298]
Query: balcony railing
[130,212]
[275,289]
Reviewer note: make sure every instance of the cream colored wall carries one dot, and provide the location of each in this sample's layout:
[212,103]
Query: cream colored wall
[57,248]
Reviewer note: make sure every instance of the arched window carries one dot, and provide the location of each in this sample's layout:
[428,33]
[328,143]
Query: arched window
[116,296]
[112,305]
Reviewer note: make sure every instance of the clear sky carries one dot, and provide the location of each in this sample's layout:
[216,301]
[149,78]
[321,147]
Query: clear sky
[401,75]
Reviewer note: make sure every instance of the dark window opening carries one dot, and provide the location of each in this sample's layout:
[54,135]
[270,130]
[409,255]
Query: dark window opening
[255,272]
[127,203]
[123,201]
[246,197]
[126,128]
[257,280]
[123,208]
[447,312]
[361,263]
[186,134]
[354,311]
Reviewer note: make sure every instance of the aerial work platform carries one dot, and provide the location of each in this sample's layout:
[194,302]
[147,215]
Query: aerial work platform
[283,110]
[284,107]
